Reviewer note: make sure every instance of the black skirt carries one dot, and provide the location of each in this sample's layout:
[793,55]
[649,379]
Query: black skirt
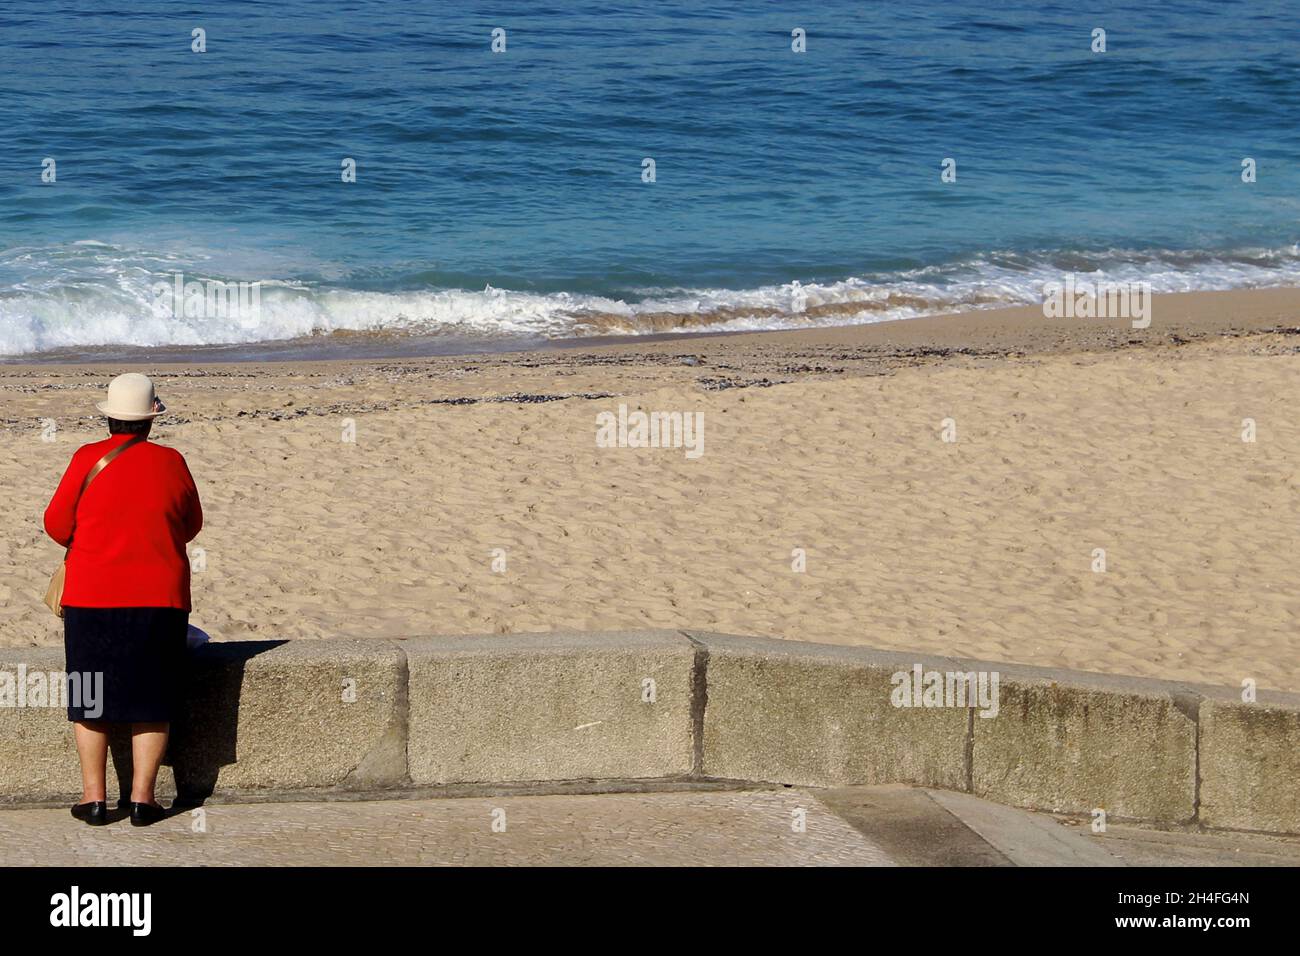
[140,653]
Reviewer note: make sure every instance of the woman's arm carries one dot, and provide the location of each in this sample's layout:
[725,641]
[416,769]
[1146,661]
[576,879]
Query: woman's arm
[61,511]
[193,508]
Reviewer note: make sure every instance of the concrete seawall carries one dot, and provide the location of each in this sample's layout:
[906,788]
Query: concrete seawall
[601,710]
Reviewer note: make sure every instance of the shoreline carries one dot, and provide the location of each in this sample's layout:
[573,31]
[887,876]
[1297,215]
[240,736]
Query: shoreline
[1175,315]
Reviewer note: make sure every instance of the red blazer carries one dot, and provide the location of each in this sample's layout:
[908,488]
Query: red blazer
[132,525]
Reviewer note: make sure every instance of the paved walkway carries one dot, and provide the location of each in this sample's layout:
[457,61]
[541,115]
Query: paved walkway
[873,826]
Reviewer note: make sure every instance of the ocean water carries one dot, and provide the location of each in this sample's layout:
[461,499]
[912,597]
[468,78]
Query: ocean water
[499,197]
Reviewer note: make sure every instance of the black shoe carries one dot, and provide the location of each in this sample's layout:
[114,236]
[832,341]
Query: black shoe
[146,814]
[95,812]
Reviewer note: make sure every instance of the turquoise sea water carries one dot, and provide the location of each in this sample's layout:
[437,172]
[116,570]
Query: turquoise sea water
[499,197]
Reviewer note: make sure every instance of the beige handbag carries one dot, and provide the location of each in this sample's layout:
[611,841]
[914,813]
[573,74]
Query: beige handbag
[54,593]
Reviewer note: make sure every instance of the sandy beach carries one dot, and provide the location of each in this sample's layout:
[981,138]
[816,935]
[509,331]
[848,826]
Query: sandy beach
[475,498]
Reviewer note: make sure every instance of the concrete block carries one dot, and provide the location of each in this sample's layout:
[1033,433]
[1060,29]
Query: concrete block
[1250,761]
[291,715]
[1072,742]
[820,715]
[38,759]
[556,706]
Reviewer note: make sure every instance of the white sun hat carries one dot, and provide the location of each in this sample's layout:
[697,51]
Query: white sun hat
[131,398]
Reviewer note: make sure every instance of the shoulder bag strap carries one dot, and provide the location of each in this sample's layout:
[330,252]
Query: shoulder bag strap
[95,470]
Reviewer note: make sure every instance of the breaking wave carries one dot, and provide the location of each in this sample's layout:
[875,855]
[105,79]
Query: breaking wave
[92,295]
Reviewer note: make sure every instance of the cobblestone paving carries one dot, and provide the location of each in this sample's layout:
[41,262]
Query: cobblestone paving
[699,828]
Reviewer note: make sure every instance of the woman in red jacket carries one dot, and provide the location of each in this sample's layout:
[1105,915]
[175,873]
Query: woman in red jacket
[126,597]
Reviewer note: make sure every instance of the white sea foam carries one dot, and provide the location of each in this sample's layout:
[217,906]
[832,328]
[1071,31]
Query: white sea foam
[96,296]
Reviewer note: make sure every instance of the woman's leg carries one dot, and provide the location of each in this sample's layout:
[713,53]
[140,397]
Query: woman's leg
[92,749]
[148,745]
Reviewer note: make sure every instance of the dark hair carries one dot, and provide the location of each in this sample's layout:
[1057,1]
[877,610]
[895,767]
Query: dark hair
[118,427]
